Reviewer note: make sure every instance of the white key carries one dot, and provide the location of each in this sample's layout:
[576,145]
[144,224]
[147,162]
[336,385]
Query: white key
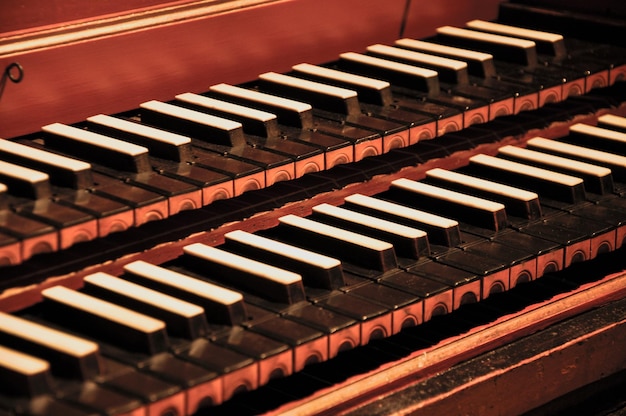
[441,230]
[613,121]
[94,139]
[22,363]
[28,152]
[316,269]
[272,282]
[467,208]
[486,37]
[608,134]
[191,115]
[346,77]
[436,48]
[260,97]
[418,57]
[225,106]
[318,87]
[152,133]
[515,31]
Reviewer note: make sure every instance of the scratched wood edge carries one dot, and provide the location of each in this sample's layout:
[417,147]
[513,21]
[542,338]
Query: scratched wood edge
[393,377]
[14,299]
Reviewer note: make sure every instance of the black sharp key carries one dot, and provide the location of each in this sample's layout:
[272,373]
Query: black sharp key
[452,204]
[517,202]
[63,171]
[90,146]
[316,270]
[183,319]
[548,184]
[160,143]
[68,355]
[407,241]
[597,179]
[440,230]
[25,182]
[205,127]
[106,321]
[222,306]
[268,281]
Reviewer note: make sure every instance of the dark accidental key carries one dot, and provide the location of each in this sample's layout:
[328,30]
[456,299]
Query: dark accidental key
[221,305]
[350,247]
[183,319]
[271,282]
[87,145]
[441,231]
[452,204]
[481,69]
[317,270]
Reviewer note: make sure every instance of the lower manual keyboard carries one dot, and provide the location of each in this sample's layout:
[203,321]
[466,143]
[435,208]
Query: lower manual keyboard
[199,330]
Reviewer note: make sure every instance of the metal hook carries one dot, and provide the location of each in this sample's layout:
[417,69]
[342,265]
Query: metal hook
[14,72]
